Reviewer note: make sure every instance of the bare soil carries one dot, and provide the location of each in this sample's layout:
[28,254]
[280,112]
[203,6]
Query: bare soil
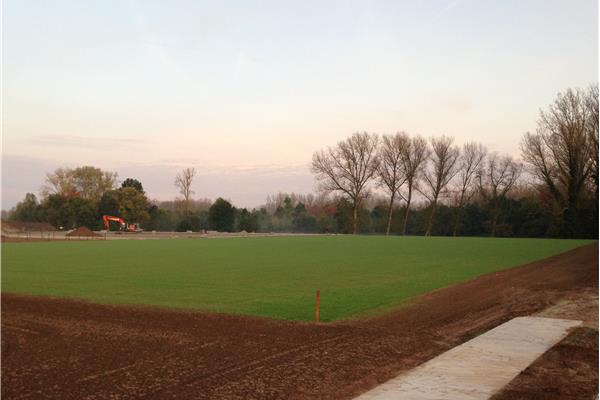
[28,226]
[83,231]
[57,348]
[568,371]
[582,306]
[9,239]
[21,239]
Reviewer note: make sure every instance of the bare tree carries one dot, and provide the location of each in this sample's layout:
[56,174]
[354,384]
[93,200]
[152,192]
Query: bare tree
[591,98]
[563,153]
[177,205]
[183,181]
[468,165]
[495,179]
[444,157]
[347,168]
[390,172]
[59,182]
[87,182]
[414,159]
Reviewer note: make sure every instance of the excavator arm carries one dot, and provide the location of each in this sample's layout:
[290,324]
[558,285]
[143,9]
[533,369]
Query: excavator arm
[123,226]
[108,218]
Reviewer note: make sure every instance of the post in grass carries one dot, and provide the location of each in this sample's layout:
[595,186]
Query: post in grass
[317,305]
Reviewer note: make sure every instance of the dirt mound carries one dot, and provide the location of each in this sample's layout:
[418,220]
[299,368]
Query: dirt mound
[48,344]
[82,231]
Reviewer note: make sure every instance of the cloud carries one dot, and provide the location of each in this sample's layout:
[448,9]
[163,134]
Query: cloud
[440,12]
[245,185]
[77,141]
[452,104]
[204,169]
[265,170]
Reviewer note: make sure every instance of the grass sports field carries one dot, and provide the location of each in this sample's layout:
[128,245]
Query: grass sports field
[266,276]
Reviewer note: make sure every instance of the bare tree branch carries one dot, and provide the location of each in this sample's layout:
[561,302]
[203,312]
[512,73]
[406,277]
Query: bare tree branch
[563,153]
[347,168]
[442,168]
[183,181]
[469,162]
[414,159]
[391,173]
[495,179]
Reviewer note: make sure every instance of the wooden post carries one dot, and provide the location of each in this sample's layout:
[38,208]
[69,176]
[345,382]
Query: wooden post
[317,305]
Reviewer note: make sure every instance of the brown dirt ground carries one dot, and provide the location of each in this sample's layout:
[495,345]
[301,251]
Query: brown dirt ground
[56,348]
[27,226]
[12,239]
[582,305]
[83,231]
[8,239]
[567,371]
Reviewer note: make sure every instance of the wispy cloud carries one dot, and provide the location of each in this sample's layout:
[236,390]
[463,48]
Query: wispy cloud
[441,12]
[259,169]
[252,170]
[77,141]
[245,185]
[179,161]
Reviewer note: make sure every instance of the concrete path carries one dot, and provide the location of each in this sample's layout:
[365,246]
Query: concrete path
[480,367]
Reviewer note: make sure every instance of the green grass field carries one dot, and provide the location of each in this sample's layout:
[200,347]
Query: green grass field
[266,276]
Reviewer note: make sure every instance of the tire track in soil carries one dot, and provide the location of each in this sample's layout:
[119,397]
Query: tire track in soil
[126,352]
[248,366]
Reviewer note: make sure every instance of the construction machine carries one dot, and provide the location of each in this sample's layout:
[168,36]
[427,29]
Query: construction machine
[123,226]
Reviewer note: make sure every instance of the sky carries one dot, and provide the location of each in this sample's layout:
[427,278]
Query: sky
[246,92]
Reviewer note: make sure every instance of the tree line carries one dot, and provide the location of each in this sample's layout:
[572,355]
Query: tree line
[389,184]
[561,160]
[402,166]
[74,197]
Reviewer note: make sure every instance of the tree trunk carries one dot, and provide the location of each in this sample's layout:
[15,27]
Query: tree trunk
[458,218]
[390,210]
[431,215]
[186,205]
[571,220]
[407,211]
[355,219]
[456,222]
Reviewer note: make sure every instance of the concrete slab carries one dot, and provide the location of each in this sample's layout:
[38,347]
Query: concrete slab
[480,367]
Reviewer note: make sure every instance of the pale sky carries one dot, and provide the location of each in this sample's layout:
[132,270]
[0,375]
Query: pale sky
[245,92]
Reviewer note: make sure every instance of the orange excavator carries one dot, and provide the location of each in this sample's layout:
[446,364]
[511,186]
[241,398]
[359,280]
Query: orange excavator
[123,226]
